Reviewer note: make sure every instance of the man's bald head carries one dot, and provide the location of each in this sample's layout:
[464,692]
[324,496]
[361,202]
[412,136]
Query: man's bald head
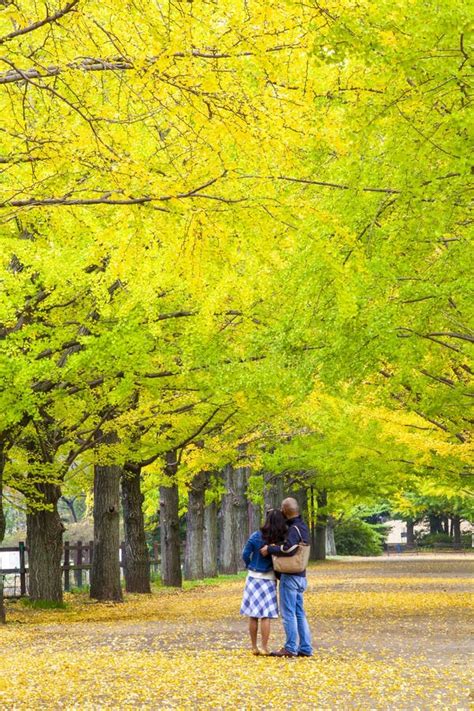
[290,508]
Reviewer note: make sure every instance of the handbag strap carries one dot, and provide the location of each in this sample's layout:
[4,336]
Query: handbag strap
[302,540]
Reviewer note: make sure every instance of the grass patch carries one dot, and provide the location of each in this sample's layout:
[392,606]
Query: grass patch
[205,582]
[78,591]
[190,584]
[43,604]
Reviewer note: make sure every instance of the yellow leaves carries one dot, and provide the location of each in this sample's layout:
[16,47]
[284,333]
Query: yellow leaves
[190,650]
[388,38]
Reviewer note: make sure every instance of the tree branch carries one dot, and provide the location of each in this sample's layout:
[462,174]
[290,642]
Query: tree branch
[36,25]
[106,198]
[92,64]
[338,186]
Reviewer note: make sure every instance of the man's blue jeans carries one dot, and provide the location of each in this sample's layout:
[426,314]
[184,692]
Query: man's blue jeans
[295,623]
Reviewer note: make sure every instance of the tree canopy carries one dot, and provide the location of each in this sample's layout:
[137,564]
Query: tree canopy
[243,223]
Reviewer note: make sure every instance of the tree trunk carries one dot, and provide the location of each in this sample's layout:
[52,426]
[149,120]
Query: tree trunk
[105,570]
[330,541]
[210,541]
[320,529]
[410,532]
[312,520]
[3,460]
[457,532]
[254,516]
[169,527]
[45,545]
[302,498]
[227,559]
[137,559]
[70,504]
[193,555]
[241,515]
[2,528]
[273,491]
[3,618]
[445,524]
[435,524]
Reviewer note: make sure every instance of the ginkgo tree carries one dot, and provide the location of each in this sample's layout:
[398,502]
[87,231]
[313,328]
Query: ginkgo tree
[216,208]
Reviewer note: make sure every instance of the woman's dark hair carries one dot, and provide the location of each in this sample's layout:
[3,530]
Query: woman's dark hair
[275,527]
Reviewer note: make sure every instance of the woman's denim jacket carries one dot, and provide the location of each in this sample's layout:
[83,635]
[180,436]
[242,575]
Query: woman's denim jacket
[253,559]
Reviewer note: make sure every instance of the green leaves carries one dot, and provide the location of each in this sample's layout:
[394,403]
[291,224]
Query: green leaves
[239,224]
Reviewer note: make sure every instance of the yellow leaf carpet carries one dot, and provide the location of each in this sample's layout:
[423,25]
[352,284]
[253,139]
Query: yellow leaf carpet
[389,634]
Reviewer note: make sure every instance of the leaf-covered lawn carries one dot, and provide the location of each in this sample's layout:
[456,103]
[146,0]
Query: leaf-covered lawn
[388,635]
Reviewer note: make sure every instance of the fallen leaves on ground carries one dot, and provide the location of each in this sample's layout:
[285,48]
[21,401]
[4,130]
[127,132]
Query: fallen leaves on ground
[383,640]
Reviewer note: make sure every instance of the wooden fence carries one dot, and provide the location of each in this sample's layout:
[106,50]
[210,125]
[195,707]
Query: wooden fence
[76,564]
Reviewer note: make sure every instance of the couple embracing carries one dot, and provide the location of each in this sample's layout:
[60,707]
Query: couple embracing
[280,549]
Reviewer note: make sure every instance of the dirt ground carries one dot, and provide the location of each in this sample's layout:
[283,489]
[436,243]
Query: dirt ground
[389,633]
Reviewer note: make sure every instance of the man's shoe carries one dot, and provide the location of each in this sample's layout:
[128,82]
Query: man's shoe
[283,652]
[304,654]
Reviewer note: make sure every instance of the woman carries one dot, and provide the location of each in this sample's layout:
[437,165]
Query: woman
[260,593]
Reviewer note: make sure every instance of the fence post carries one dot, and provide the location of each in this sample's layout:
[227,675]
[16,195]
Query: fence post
[21,551]
[66,567]
[78,571]
[91,555]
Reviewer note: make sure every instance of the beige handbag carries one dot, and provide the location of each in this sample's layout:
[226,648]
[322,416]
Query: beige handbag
[296,563]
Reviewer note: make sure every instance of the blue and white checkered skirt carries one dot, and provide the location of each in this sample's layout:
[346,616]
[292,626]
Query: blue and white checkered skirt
[260,598]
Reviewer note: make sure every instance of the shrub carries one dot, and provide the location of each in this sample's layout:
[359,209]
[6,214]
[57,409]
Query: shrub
[356,537]
[428,540]
[439,540]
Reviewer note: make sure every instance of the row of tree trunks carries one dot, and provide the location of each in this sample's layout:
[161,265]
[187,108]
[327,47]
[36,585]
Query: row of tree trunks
[45,539]
[237,519]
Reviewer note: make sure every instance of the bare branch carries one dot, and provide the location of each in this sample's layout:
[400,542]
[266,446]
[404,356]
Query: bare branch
[107,199]
[450,334]
[93,64]
[338,186]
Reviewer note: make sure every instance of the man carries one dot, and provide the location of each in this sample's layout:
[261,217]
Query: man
[292,586]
